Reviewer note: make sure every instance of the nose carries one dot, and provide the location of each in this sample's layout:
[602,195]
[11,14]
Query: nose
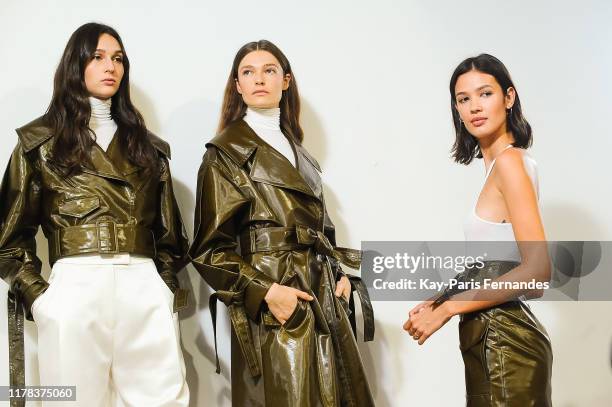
[109,66]
[475,106]
[259,78]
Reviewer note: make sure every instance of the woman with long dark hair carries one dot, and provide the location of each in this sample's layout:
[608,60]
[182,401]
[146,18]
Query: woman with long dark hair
[506,351]
[260,191]
[99,184]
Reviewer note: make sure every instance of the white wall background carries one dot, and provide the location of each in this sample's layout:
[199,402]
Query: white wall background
[373,78]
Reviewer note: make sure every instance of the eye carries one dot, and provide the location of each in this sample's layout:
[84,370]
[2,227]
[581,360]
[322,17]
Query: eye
[271,70]
[97,57]
[247,72]
[486,93]
[118,58]
[462,99]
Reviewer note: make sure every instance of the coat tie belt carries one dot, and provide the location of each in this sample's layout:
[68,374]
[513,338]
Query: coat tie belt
[298,237]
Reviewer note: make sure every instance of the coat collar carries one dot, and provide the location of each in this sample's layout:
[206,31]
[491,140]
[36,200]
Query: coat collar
[269,166]
[113,163]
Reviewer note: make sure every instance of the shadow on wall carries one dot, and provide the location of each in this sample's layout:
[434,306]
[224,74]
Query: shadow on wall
[570,222]
[315,142]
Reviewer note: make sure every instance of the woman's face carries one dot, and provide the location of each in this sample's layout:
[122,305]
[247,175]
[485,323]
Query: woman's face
[482,103]
[261,81]
[104,72]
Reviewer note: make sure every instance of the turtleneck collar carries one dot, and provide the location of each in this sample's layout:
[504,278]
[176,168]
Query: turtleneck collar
[100,109]
[263,118]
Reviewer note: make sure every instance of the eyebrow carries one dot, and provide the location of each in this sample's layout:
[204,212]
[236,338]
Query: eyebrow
[265,65]
[479,88]
[104,51]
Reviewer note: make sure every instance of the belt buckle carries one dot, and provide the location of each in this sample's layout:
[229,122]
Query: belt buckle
[111,245]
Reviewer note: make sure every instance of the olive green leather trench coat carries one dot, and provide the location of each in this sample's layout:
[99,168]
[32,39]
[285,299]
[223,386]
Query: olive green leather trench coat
[260,220]
[111,208]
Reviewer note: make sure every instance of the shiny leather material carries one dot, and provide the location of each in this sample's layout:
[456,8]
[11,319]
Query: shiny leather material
[260,220]
[506,351]
[115,206]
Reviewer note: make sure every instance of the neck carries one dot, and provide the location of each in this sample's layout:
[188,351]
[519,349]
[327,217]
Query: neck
[494,144]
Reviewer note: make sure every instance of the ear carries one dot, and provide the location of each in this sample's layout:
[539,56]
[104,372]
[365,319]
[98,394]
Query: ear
[509,97]
[238,88]
[286,80]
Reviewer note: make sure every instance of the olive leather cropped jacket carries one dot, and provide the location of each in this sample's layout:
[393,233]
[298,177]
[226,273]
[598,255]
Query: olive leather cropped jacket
[113,207]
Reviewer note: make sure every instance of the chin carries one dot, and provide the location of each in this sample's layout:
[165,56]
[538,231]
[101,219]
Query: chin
[104,95]
[262,105]
[481,132]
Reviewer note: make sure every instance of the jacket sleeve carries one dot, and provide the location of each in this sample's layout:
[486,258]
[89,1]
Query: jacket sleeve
[20,200]
[170,238]
[219,204]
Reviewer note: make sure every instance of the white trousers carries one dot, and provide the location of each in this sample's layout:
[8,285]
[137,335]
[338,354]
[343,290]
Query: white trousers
[106,326]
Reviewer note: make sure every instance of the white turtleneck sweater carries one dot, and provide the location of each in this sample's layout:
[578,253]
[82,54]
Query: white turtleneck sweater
[266,124]
[101,121]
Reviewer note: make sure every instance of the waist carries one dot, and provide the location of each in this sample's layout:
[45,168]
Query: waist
[105,259]
[101,238]
[491,269]
[271,239]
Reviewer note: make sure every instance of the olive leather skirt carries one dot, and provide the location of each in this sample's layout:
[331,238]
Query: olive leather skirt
[506,352]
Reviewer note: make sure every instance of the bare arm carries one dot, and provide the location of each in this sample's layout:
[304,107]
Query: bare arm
[514,184]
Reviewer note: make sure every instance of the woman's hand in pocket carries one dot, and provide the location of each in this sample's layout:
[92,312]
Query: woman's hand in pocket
[282,301]
[343,288]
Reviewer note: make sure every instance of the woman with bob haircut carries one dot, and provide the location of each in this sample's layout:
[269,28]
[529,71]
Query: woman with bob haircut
[506,351]
[99,184]
[259,191]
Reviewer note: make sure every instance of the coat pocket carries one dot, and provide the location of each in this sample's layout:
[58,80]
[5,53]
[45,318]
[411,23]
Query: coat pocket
[472,342]
[298,316]
[79,207]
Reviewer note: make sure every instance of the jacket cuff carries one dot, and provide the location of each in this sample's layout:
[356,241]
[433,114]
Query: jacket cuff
[255,292]
[31,293]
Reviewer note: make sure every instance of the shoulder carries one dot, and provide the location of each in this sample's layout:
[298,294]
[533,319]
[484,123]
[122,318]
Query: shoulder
[236,141]
[516,167]
[34,134]
[511,161]
[160,145]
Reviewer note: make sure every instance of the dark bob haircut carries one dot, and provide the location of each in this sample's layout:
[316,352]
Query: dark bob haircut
[466,146]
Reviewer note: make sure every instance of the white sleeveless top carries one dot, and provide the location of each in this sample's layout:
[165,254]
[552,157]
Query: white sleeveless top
[477,229]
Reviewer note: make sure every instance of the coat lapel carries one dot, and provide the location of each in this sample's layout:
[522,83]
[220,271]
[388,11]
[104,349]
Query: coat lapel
[103,164]
[309,169]
[272,167]
[268,166]
[120,159]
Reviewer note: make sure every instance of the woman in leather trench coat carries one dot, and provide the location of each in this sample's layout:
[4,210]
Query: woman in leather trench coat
[506,350]
[99,184]
[264,242]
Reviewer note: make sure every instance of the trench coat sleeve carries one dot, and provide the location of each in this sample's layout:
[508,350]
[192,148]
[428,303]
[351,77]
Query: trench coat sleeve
[170,237]
[219,204]
[20,200]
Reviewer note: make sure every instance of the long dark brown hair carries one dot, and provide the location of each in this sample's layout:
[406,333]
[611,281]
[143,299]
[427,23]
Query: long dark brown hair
[466,146]
[234,108]
[69,111]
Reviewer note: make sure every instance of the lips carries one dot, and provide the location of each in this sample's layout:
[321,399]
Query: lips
[109,81]
[478,121]
[260,93]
